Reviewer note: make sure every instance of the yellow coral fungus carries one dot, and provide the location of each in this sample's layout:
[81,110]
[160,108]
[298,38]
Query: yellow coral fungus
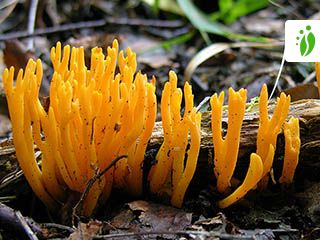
[171,155]
[180,187]
[292,149]
[226,150]
[253,176]
[159,173]
[94,116]
[21,122]
[269,129]
[138,148]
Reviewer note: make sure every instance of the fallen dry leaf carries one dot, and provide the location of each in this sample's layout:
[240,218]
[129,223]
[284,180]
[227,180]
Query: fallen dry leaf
[86,231]
[303,91]
[141,216]
[16,55]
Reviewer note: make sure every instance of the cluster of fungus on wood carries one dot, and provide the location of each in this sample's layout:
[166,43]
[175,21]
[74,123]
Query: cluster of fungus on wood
[171,161]
[226,151]
[94,116]
[108,110]
[269,130]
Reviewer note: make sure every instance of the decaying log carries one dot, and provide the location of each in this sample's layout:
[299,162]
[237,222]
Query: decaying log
[308,112]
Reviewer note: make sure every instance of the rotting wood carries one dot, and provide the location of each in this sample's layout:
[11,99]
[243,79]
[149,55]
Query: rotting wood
[308,112]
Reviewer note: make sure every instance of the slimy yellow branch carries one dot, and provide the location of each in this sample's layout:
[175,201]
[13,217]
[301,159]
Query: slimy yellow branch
[136,156]
[253,176]
[21,128]
[292,150]
[180,188]
[269,129]
[158,173]
[171,155]
[226,150]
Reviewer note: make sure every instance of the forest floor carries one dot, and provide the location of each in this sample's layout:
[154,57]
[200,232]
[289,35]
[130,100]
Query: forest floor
[163,41]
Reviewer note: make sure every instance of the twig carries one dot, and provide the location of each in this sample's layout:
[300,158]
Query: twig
[31,22]
[145,22]
[54,29]
[91,24]
[58,226]
[13,220]
[310,77]
[90,183]
[25,226]
[188,233]
[285,8]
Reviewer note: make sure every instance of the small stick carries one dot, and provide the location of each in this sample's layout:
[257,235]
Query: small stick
[207,234]
[90,184]
[58,226]
[91,24]
[14,220]
[31,235]
[31,22]
[214,234]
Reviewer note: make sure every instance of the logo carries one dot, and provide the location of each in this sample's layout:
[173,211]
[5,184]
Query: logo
[302,41]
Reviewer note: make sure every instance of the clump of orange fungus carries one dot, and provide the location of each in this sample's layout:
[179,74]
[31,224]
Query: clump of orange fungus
[171,156]
[269,129]
[226,149]
[95,115]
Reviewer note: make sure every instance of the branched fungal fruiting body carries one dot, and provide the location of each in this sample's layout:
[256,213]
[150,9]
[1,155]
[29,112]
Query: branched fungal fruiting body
[180,187]
[253,176]
[21,122]
[260,162]
[292,150]
[226,150]
[100,113]
[269,129]
[171,155]
[138,148]
[94,116]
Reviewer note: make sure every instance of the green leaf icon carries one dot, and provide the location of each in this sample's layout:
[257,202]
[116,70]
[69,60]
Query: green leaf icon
[307,44]
[311,40]
[303,46]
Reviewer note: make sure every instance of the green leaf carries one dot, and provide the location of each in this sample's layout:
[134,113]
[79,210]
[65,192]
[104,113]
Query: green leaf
[242,8]
[155,7]
[202,23]
[199,20]
[225,5]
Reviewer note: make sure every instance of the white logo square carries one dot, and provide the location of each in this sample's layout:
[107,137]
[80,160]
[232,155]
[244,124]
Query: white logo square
[302,41]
